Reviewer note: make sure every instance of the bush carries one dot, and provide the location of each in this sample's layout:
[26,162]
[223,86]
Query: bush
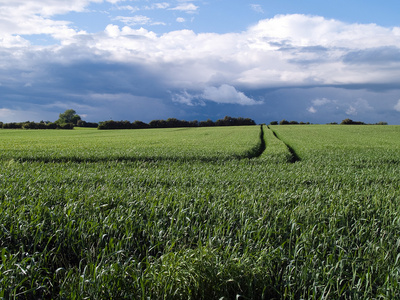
[12,125]
[351,122]
[139,125]
[51,126]
[66,126]
[283,122]
[229,121]
[207,123]
[82,123]
[29,125]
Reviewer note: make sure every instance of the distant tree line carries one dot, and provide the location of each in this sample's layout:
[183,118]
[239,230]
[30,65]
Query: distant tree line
[35,125]
[285,122]
[344,122]
[67,120]
[46,125]
[351,122]
[82,123]
[175,123]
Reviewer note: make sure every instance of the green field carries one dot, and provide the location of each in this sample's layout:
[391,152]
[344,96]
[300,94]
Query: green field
[194,214]
[94,145]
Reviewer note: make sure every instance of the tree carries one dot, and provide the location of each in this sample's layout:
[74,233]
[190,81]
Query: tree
[69,116]
[283,122]
[351,122]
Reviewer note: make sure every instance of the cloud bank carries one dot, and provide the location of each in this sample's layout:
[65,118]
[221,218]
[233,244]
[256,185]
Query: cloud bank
[286,65]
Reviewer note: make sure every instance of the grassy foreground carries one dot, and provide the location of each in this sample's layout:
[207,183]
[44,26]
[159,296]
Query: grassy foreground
[176,215]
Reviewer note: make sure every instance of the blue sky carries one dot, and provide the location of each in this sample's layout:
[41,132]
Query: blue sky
[315,61]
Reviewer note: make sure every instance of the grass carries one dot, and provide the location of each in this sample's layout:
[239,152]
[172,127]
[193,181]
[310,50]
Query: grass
[197,228]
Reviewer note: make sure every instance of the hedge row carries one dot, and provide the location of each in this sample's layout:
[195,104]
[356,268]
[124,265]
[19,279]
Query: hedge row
[34,125]
[173,123]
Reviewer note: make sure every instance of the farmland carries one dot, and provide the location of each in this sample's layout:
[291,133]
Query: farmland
[194,213]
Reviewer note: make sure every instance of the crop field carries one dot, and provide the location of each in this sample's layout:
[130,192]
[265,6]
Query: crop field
[295,212]
[151,144]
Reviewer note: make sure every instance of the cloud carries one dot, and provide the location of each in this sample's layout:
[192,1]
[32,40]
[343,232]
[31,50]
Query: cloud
[397,106]
[343,106]
[378,55]
[187,7]
[34,17]
[186,98]
[351,110]
[257,8]
[135,20]
[322,101]
[325,59]
[312,110]
[132,9]
[224,94]
[227,94]
[161,5]
[180,20]
[319,102]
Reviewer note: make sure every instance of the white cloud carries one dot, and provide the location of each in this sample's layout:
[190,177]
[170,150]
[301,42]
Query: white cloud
[363,105]
[290,50]
[224,94]
[227,94]
[180,20]
[186,98]
[346,106]
[112,30]
[397,106]
[187,7]
[351,110]
[320,102]
[33,17]
[132,9]
[161,5]
[257,8]
[135,20]
[281,51]
[311,110]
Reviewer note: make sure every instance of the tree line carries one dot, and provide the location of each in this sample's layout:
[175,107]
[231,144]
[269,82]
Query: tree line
[70,119]
[175,123]
[36,125]
[66,120]
[344,122]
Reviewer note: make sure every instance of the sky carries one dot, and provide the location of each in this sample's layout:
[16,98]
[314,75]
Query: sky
[311,61]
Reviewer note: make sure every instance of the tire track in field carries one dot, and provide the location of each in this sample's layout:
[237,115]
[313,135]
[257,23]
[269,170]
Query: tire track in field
[294,156]
[260,148]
